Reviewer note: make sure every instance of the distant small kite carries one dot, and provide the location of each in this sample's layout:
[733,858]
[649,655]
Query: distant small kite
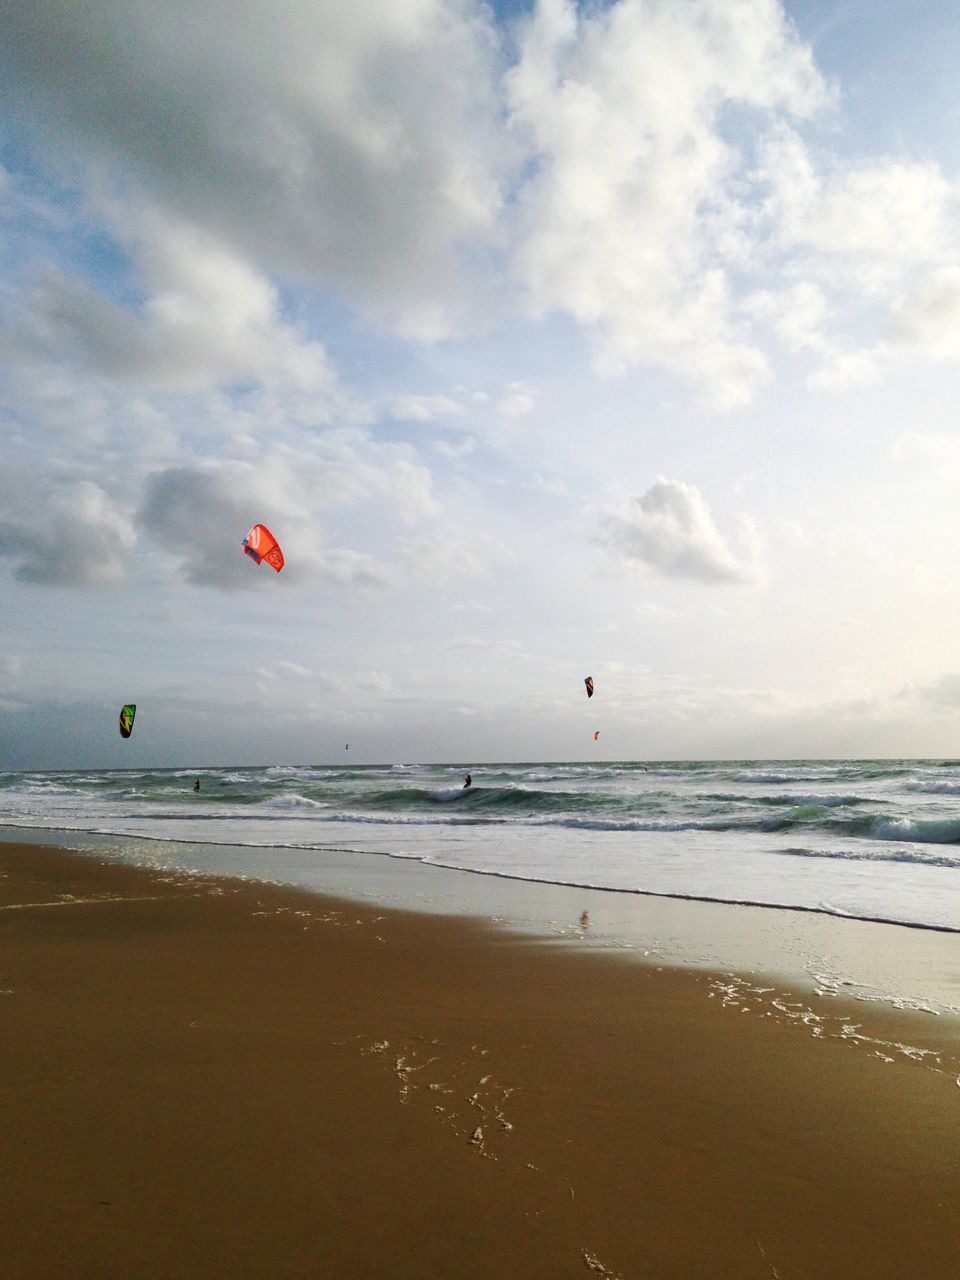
[596,736]
[126,719]
[589,683]
[260,544]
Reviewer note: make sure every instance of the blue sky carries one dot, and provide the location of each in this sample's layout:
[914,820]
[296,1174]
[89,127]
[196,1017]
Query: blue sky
[620,340]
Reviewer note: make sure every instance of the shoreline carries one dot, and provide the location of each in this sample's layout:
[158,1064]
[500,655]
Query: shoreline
[81,834]
[820,952]
[210,1077]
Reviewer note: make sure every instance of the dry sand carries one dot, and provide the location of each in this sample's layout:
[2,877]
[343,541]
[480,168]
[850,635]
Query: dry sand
[210,1078]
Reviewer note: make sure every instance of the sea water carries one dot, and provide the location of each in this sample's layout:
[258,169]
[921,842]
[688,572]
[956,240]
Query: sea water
[869,840]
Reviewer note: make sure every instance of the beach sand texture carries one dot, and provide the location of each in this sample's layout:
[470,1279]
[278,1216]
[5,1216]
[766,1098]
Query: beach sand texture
[206,1078]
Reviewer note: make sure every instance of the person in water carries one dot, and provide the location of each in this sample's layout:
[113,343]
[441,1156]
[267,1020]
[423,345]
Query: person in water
[196,785]
[467,782]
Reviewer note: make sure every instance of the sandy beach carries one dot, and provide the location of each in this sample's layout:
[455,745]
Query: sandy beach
[204,1077]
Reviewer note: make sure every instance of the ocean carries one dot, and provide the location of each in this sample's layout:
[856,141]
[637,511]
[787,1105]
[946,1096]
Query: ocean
[869,840]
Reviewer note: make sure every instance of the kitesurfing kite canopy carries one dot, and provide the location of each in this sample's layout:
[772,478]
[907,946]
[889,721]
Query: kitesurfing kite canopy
[126,719]
[596,736]
[260,544]
[589,683]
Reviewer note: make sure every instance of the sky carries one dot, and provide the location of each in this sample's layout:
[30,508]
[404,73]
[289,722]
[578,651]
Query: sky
[550,340]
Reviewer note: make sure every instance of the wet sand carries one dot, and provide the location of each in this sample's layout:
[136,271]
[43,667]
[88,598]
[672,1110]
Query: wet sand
[209,1078]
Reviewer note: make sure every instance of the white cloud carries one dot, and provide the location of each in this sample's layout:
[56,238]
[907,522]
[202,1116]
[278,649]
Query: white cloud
[355,683]
[939,447]
[669,528]
[411,487]
[474,644]
[797,314]
[870,238]
[841,370]
[633,196]
[347,568]
[878,220]
[471,606]
[449,556]
[412,408]
[373,682]
[455,448]
[936,697]
[929,318]
[516,403]
[650,611]
[282,668]
[871,220]
[553,485]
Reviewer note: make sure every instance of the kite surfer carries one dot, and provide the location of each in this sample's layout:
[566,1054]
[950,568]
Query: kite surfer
[196,785]
[467,782]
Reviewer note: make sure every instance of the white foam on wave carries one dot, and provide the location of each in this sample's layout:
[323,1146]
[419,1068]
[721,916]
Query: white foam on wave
[923,831]
[935,788]
[880,852]
[820,800]
[571,773]
[829,773]
[292,801]
[43,787]
[578,823]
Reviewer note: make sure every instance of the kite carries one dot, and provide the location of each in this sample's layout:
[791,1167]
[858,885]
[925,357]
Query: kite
[260,544]
[126,719]
[596,736]
[589,683]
